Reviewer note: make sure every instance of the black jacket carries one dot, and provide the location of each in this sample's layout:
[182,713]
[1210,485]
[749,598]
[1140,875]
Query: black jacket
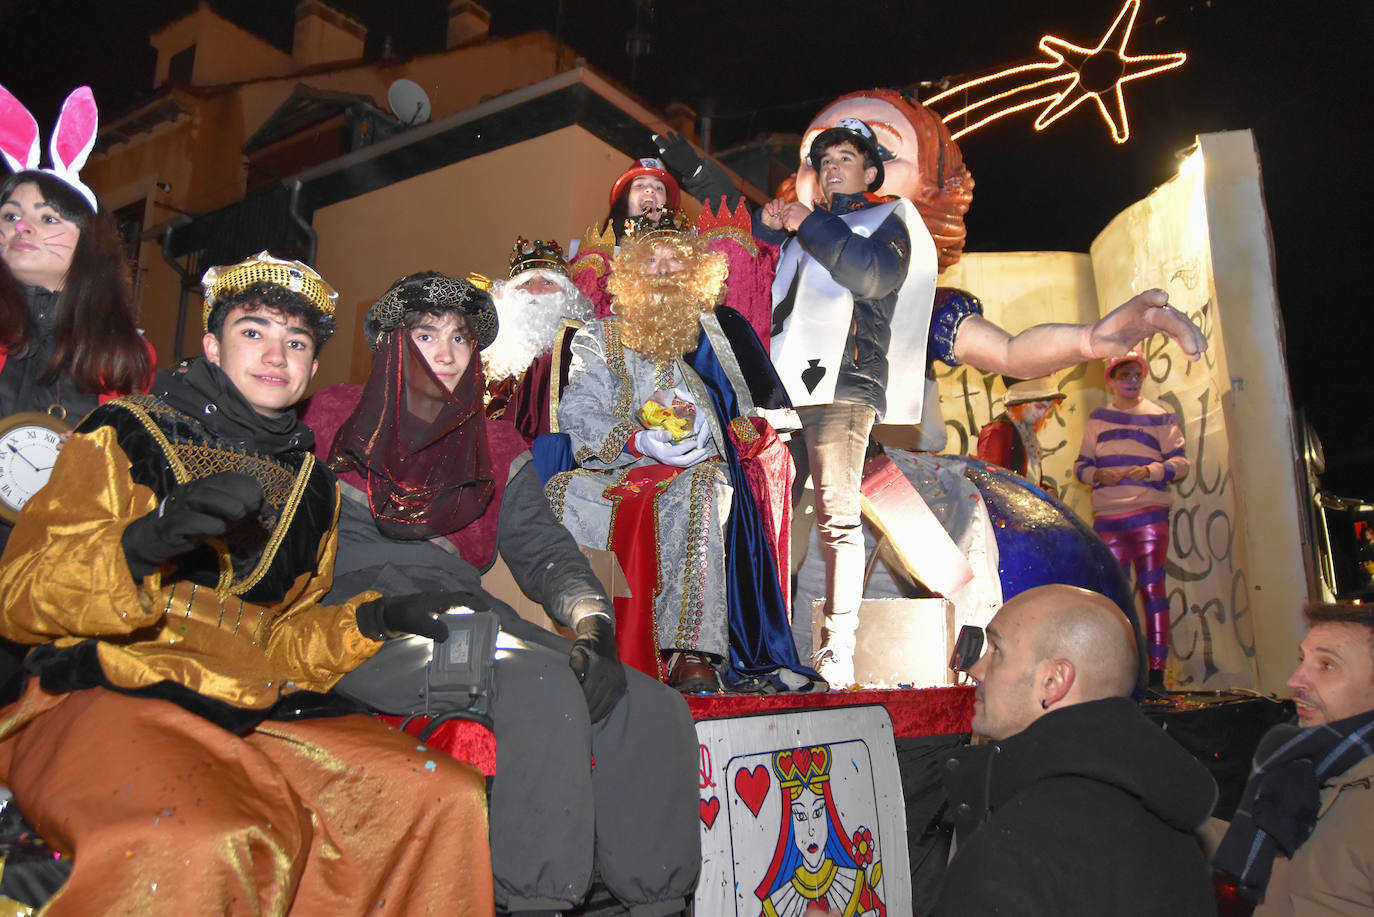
[1088,811]
[873,269]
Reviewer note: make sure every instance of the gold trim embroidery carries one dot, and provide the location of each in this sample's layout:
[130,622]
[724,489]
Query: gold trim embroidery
[563,339]
[743,238]
[556,491]
[288,513]
[615,362]
[663,375]
[744,431]
[143,407]
[612,446]
[694,564]
[141,412]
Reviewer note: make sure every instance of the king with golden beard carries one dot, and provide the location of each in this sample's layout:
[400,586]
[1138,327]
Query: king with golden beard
[665,396]
[660,287]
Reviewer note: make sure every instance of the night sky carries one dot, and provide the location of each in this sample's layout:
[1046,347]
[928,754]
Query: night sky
[1293,72]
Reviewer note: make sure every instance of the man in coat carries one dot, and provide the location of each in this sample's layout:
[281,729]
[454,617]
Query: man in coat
[1307,809]
[1078,804]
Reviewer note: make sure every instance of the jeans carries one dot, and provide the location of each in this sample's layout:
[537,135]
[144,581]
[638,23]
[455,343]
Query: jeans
[835,439]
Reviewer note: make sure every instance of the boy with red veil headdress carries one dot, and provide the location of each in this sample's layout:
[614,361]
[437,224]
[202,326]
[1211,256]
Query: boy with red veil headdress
[594,763]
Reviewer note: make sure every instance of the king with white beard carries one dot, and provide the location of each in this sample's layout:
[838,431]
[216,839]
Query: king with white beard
[539,309]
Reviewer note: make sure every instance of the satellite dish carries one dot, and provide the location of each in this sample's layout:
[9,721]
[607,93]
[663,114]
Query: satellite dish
[408,102]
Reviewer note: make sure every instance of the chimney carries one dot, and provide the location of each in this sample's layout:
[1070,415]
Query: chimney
[468,21]
[325,35]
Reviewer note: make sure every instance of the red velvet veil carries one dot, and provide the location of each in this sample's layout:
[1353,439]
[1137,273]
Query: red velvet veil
[421,449]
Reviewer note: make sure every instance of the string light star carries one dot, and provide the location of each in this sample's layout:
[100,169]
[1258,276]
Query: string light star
[1071,76]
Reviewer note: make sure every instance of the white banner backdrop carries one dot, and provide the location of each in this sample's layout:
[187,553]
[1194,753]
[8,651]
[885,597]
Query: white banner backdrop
[1162,241]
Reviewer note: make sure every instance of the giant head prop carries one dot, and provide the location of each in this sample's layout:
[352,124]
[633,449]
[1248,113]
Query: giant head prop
[921,162]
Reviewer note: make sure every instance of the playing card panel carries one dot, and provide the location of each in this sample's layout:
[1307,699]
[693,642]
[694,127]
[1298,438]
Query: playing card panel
[791,798]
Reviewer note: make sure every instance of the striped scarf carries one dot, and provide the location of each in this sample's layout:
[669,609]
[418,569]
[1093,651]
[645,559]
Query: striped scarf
[1279,808]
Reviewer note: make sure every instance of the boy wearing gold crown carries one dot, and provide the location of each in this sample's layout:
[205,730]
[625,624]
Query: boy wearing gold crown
[169,577]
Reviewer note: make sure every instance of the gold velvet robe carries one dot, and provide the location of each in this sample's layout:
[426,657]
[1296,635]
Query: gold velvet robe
[170,812]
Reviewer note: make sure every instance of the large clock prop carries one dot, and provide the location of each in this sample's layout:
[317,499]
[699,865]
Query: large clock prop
[29,443]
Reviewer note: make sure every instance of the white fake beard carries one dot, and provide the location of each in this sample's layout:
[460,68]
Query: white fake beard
[528,324]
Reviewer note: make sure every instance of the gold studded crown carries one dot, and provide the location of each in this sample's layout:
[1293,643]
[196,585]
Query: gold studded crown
[668,223]
[526,256]
[264,268]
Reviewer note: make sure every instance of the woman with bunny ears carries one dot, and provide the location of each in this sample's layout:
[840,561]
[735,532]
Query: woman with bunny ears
[67,333]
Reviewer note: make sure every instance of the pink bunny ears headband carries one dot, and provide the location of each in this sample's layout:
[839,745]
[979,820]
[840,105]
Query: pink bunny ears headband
[72,138]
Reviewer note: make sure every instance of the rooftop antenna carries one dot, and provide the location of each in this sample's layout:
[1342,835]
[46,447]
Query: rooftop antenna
[408,102]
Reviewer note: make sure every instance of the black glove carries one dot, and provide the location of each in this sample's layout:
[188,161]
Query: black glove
[415,613]
[191,513]
[677,154]
[596,664]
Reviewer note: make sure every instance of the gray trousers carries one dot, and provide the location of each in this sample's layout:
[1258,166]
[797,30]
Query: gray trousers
[553,813]
[634,814]
[831,447]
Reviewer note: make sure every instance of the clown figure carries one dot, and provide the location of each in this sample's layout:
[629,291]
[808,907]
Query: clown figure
[1010,439]
[1132,451]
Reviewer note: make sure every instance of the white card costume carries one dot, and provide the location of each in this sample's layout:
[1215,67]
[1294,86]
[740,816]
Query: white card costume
[808,349]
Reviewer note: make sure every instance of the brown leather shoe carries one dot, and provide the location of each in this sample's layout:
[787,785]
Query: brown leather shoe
[693,673]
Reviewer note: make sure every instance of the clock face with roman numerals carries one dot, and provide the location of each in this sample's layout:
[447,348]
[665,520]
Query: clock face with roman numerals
[29,444]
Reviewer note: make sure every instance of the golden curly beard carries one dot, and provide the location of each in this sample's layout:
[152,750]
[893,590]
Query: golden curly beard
[660,312]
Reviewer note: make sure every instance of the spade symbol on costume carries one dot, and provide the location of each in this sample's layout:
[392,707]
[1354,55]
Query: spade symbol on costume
[812,375]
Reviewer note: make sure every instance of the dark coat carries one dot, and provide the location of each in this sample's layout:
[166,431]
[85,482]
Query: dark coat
[1088,811]
[872,268]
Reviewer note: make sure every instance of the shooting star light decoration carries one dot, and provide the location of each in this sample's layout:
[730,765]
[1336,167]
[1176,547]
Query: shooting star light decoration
[1071,77]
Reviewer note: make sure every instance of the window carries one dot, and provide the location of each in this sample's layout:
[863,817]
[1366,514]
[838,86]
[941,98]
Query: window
[181,65]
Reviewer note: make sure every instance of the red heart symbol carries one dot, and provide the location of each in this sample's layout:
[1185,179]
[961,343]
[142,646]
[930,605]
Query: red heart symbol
[803,758]
[710,808]
[752,787]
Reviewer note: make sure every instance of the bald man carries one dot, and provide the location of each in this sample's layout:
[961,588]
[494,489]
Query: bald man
[1077,805]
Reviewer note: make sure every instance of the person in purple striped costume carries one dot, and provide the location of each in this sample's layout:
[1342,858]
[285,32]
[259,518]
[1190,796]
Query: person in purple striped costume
[1132,451]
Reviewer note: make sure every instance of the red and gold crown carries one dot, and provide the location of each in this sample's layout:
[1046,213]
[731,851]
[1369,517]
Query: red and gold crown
[668,223]
[802,767]
[724,218]
[526,256]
